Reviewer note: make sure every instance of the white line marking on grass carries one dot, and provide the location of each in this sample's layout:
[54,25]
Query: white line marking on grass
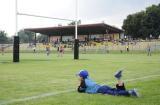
[35,97]
[134,79]
[141,78]
[61,92]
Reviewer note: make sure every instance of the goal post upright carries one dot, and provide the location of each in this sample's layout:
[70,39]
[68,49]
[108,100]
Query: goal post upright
[76,41]
[16,37]
[16,18]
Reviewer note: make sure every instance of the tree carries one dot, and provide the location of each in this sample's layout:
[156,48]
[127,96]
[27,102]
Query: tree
[152,20]
[3,37]
[144,23]
[42,38]
[73,22]
[26,36]
[132,25]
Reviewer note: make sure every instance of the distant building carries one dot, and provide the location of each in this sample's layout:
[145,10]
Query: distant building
[86,32]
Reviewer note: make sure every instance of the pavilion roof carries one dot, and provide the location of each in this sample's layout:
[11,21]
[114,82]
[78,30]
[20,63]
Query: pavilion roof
[85,29]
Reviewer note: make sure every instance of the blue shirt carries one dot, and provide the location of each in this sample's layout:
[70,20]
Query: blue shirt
[92,87]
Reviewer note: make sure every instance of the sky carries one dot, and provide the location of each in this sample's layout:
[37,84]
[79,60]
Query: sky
[112,12]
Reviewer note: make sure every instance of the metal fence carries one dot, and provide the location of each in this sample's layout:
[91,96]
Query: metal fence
[92,48]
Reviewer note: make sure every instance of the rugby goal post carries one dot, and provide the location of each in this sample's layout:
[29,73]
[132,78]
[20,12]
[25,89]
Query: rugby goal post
[16,38]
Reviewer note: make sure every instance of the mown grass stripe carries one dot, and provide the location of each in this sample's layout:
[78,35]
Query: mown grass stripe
[66,91]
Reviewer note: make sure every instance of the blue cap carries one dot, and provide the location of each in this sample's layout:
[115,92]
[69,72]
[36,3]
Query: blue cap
[83,73]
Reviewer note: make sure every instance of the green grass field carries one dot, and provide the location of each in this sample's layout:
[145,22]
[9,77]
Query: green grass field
[44,80]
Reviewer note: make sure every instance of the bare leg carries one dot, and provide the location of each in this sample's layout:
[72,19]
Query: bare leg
[120,85]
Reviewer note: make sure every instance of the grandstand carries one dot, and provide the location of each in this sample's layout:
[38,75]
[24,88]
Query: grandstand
[86,32]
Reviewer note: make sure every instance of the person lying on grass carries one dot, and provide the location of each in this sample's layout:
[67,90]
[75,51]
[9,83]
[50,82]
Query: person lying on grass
[89,86]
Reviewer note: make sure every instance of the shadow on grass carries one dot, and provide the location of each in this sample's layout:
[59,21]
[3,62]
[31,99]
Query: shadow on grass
[37,60]
[81,59]
[25,60]
[41,60]
[6,62]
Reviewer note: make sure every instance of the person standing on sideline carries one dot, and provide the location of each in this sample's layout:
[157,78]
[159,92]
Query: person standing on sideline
[61,51]
[34,48]
[47,49]
[2,49]
[58,50]
[148,50]
[127,48]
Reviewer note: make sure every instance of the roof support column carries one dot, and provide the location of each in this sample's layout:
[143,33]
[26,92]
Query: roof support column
[35,39]
[48,40]
[89,37]
[61,38]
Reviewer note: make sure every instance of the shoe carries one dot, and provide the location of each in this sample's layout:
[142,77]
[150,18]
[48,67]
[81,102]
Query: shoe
[134,93]
[118,74]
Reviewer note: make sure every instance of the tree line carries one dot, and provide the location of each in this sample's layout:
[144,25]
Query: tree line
[29,37]
[4,39]
[144,24]
[25,37]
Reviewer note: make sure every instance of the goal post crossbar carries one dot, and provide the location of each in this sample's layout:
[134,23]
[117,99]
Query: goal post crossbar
[40,16]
